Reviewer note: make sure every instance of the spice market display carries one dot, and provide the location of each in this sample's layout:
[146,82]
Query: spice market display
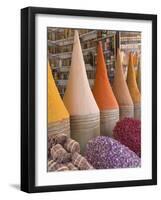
[94,99]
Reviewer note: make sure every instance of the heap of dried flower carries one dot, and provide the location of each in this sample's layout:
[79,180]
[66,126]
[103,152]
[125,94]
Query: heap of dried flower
[104,152]
[128,132]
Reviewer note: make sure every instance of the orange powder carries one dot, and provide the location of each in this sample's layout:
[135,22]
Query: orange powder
[56,108]
[131,81]
[102,90]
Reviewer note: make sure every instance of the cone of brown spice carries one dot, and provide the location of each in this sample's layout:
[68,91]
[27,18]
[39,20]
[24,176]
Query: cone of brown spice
[121,91]
[133,88]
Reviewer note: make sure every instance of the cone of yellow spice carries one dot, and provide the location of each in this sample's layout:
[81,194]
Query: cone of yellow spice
[79,100]
[121,91]
[106,101]
[133,88]
[58,116]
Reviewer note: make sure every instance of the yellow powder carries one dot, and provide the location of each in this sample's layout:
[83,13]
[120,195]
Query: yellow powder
[56,108]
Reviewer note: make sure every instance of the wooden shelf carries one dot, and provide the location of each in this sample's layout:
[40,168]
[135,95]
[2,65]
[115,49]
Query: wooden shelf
[65,55]
[83,37]
[64,69]
[61,51]
[64,82]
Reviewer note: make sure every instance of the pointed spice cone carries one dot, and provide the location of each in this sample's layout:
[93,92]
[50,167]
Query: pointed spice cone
[124,62]
[106,101]
[138,77]
[79,99]
[121,91]
[102,89]
[133,88]
[58,116]
[135,59]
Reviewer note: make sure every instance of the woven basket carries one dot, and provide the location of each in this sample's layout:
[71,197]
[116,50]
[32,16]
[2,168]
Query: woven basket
[59,127]
[137,111]
[126,111]
[108,119]
[83,128]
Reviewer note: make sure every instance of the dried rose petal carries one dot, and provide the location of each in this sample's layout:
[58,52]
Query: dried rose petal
[128,132]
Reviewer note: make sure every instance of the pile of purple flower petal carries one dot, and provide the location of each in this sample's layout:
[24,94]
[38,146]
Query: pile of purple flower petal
[104,152]
[128,132]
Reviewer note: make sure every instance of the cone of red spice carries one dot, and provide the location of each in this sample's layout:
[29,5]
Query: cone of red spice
[121,91]
[128,132]
[133,88]
[105,99]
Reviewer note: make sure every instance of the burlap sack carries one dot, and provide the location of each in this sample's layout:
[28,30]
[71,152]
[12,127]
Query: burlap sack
[59,154]
[54,166]
[71,166]
[62,167]
[72,146]
[51,142]
[80,162]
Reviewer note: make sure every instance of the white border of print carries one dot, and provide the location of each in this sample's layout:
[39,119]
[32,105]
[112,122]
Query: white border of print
[44,178]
